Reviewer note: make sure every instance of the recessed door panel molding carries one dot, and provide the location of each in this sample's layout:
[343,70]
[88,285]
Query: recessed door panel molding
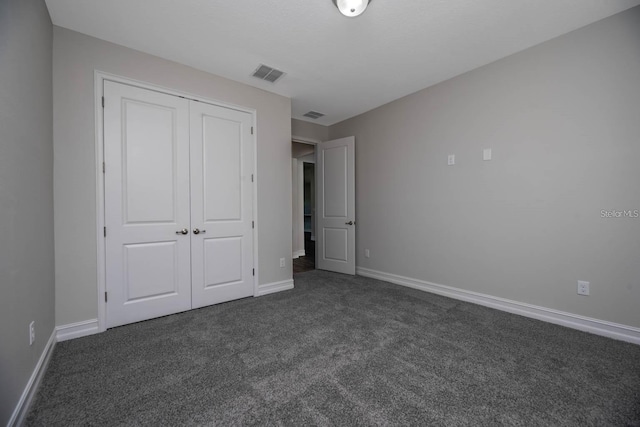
[149,193]
[335,179]
[144,280]
[221,159]
[146,154]
[223,261]
[222,150]
[336,222]
[335,244]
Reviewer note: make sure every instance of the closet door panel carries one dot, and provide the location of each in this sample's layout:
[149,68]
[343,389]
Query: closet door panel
[146,152]
[221,204]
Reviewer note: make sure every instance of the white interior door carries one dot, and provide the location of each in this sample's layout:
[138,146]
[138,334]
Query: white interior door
[336,238]
[146,152]
[178,204]
[221,204]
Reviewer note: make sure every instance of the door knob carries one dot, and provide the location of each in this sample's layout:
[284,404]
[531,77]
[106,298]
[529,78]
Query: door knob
[183,231]
[349,223]
[197,231]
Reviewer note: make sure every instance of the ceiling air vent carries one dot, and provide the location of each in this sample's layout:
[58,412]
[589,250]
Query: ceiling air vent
[264,72]
[313,115]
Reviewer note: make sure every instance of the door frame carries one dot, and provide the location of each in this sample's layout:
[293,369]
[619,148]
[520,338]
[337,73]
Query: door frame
[99,79]
[308,141]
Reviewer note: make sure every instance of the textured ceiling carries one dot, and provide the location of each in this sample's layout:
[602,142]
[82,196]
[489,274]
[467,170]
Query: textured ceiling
[335,65]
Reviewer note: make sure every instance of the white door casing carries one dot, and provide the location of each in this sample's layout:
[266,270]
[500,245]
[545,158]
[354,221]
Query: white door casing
[175,166]
[146,150]
[221,204]
[336,205]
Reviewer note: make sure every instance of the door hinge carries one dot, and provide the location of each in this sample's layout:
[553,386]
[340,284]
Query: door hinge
[104,167]
[254,271]
[104,230]
[253,224]
[251,177]
[103,102]
[251,130]
[105,297]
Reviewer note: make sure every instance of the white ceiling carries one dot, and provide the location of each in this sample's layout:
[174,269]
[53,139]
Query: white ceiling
[336,65]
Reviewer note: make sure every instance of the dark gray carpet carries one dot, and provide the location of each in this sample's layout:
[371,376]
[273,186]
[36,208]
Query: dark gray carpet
[341,350]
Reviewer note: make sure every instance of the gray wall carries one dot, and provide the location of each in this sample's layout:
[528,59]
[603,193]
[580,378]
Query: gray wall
[26,194]
[300,150]
[76,56]
[563,120]
[308,130]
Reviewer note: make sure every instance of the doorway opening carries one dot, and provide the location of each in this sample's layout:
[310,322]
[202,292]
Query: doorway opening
[304,209]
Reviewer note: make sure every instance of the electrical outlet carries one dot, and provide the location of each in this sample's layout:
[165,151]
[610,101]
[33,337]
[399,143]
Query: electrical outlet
[367,254]
[583,287]
[282,262]
[451,160]
[32,332]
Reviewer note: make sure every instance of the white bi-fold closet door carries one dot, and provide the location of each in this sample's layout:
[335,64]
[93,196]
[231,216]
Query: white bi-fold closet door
[178,203]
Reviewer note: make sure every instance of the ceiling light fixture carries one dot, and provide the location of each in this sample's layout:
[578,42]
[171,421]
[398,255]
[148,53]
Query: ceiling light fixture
[351,8]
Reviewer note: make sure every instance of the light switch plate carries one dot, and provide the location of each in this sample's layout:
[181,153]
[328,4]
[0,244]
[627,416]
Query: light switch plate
[486,154]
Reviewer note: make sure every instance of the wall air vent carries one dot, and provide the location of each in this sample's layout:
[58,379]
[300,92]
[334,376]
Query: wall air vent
[264,72]
[313,115]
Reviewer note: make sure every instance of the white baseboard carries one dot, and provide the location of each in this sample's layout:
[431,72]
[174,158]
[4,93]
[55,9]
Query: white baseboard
[270,288]
[298,254]
[77,330]
[587,324]
[22,409]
